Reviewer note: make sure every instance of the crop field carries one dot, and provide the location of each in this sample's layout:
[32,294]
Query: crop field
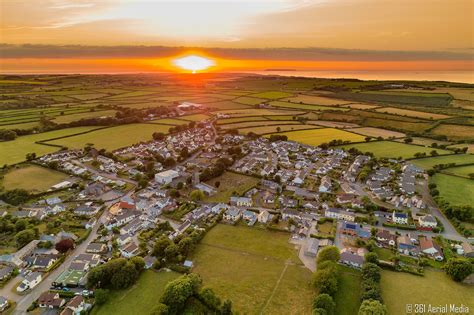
[197,117]
[140,298]
[171,121]
[243,119]
[458,159]
[249,100]
[267,276]
[263,130]
[377,132]
[464,171]
[246,124]
[316,100]
[282,117]
[25,125]
[457,93]
[318,136]
[258,112]
[426,141]
[306,106]
[114,137]
[360,106]
[272,95]
[86,97]
[469,146]
[399,289]
[227,104]
[231,183]
[400,125]
[411,113]
[456,132]
[391,149]
[332,124]
[64,119]
[425,99]
[32,178]
[15,151]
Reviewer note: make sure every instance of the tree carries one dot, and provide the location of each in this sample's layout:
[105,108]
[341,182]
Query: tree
[20,225]
[24,237]
[64,245]
[372,258]
[325,281]
[325,302]
[226,307]
[172,252]
[328,253]
[160,245]
[178,291]
[458,268]
[372,307]
[367,139]
[371,271]
[158,136]
[197,195]
[210,299]
[159,309]
[30,156]
[101,296]
[408,140]
[218,183]
[125,276]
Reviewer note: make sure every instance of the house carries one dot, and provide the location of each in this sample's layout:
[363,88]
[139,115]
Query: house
[263,216]
[30,281]
[353,257]
[149,261]
[75,306]
[53,201]
[430,248]
[130,250]
[313,247]
[44,262]
[386,238]
[406,246]
[207,189]
[339,214]
[290,214]
[50,300]
[250,217]
[354,230]
[3,303]
[241,201]
[124,239]
[96,248]
[232,214]
[5,272]
[427,221]
[166,177]
[86,210]
[325,185]
[399,218]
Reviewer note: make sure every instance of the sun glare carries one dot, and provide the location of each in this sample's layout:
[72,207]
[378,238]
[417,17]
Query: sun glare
[193,63]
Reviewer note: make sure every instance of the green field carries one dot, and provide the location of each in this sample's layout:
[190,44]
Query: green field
[318,136]
[14,151]
[231,182]
[258,270]
[170,121]
[140,298]
[197,117]
[114,137]
[390,149]
[455,190]
[459,159]
[347,297]
[32,178]
[307,106]
[242,119]
[64,119]
[460,170]
[247,124]
[249,100]
[272,95]
[435,288]
[263,130]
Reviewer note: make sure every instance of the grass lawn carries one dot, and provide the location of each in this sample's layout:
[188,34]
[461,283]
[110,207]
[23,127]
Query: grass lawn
[461,170]
[318,136]
[458,159]
[384,253]
[273,95]
[14,151]
[140,298]
[347,297]
[390,149]
[455,190]
[114,137]
[32,178]
[231,182]
[435,288]
[257,269]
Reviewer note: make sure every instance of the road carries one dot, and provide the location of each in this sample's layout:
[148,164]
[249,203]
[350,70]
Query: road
[106,175]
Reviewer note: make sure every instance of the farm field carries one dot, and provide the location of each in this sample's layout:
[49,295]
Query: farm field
[15,151]
[426,141]
[32,178]
[332,124]
[400,289]
[258,259]
[197,117]
[25,125]
[258,112]
[272,95]
[64,119]
[243,119]
[246,124]
[399,125]
[319,136]
[228,104]
[274,129]
[306,106]
[460,170]
[316,100]
[170,121]
[140,298]
[360,106]
[397,97]
[231,182]
[470,147]
[347,297]
[114,137]
[456,132]
[390,149]
[377,132]
[452,187]
[458,159]
[249,100]
[411,113]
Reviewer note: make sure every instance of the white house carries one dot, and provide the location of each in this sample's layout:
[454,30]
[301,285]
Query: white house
[130,250]
[428,221]
[3,303]
[399,218]
[263,216]
[241,201]
[232,214]
[325,185]
[166,177]
[339,214]
[30,281]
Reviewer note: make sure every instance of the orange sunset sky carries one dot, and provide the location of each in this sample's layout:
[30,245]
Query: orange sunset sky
[142,36]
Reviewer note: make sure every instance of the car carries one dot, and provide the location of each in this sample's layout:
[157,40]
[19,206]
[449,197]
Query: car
[66,289]
[85,292]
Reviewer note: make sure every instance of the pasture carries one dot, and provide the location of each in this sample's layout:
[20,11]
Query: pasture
[458,159]
[114,137]
[246,124]
[377,132]
[411,113]
[469,146]
[318,136]
[64,119]
[243,119]
[139,298]
[455,132]
[347,297]
[451,188]
[249,100]
[390,149]
[263,130]
[316,100]
[306,106]
[258,112]
[262,273]
[231,183]
[32,178]
[435,288]
[196,117]
[463,171]
[271,95]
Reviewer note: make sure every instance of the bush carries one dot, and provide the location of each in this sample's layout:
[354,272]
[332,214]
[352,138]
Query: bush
[458,268]
[372,307]
[325,302]
[101,296]
[328,253]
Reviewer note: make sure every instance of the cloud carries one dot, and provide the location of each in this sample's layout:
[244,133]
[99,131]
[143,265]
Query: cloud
[307,54]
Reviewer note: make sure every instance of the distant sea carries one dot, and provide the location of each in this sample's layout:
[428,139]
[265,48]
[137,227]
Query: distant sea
[452,76]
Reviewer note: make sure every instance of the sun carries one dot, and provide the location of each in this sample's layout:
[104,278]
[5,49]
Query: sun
[193,63]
